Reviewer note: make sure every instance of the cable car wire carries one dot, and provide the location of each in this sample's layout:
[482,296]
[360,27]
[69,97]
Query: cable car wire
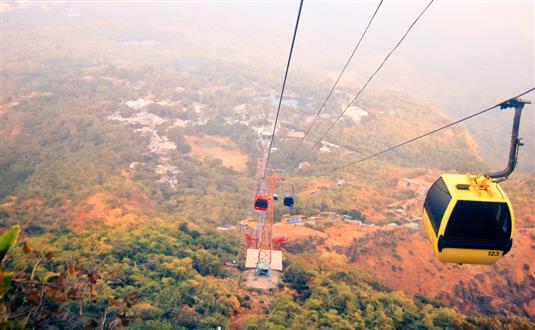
[322,107]
[375,73]
[377,70]
[427,134]
[283,87]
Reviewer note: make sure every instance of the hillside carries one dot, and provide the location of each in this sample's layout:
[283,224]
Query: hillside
[392,246]
[131,162]
[167,276]
[148,149]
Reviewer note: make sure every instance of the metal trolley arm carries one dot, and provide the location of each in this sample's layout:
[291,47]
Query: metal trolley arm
[518,104]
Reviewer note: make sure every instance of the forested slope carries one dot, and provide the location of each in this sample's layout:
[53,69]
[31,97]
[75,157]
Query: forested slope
[101,165]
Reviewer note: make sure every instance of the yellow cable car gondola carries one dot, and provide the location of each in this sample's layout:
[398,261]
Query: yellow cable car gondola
[468,218]
[468,221]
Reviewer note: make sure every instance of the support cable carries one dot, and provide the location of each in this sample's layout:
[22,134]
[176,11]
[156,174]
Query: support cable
[283,87]
[322,107]
[426,134]
[373,75]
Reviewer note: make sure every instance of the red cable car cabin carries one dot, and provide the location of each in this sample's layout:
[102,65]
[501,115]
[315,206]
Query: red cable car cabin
[261,202]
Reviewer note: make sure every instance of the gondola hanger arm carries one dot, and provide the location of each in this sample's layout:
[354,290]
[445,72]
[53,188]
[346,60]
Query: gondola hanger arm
[516,142]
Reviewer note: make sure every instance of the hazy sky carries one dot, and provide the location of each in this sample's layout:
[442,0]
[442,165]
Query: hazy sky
[470,45]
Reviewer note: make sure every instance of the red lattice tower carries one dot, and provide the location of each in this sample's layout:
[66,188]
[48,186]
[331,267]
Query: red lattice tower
[265,237]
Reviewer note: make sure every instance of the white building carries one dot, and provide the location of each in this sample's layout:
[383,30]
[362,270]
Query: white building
[356,113]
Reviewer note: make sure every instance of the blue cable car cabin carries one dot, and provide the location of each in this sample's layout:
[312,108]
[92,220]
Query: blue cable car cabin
[288,200]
